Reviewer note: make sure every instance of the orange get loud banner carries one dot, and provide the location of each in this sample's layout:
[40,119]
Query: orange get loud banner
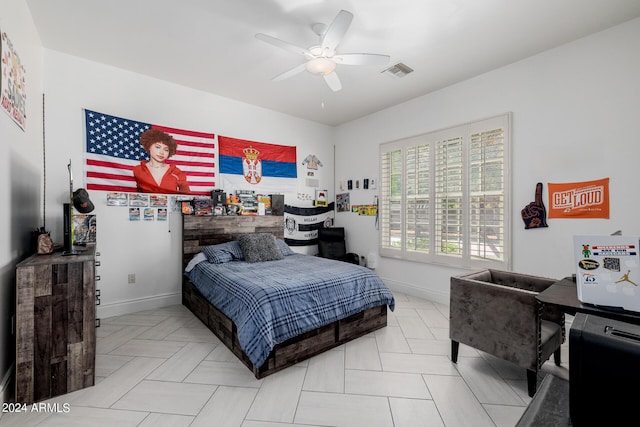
[588,199]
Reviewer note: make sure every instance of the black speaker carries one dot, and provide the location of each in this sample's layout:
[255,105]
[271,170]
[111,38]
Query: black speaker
[67,216]
[277,204]
[604,356]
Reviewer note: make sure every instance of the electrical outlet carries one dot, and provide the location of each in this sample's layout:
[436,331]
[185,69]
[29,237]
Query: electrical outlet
[132,278]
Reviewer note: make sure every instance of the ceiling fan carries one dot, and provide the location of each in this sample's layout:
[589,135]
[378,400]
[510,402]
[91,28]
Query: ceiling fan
[323,59]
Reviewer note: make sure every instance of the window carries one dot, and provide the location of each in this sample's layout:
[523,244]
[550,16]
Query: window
[444,196]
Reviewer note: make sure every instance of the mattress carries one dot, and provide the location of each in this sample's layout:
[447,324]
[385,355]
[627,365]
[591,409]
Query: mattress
[272,301]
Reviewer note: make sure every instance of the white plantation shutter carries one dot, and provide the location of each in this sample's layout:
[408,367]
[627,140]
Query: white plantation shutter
[486,192]
[391,199]
[448,182]
[445,196]
[417,198]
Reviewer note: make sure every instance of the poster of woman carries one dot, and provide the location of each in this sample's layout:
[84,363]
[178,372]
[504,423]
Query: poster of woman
[156,175]
[130,156]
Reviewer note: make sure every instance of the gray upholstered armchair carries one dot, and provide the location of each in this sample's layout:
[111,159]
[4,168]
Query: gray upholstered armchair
[495,312]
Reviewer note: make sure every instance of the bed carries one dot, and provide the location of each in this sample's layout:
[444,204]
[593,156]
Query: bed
[322,327]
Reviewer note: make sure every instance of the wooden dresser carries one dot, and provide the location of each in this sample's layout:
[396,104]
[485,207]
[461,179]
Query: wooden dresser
[55,325]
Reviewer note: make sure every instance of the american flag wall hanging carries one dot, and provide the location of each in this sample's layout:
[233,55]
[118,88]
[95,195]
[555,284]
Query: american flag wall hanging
[113,149]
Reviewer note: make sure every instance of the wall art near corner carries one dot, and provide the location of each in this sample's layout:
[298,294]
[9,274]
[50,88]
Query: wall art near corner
[13,92]
[343,202]
[368,210]
[534,214]
[588,199]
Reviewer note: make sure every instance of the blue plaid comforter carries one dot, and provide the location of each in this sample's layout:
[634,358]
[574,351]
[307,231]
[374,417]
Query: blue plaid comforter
[270,302]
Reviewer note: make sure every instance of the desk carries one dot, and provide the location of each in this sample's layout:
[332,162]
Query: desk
[565,295]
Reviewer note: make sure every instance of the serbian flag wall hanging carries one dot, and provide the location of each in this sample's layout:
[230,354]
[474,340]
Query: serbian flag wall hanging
[258,166]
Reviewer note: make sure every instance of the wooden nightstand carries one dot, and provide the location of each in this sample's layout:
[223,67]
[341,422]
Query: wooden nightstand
[55,325]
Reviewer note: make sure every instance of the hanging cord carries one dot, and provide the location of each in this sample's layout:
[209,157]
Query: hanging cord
[44,173]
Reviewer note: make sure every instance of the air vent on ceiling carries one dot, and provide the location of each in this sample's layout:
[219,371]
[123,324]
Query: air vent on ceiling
[398,70]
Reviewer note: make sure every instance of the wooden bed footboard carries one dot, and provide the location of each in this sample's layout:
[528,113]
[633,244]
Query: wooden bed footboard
[293,350]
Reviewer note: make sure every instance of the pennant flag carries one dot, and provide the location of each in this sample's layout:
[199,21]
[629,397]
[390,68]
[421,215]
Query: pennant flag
[265,168]
[113,149]
[588,199]
[301,224]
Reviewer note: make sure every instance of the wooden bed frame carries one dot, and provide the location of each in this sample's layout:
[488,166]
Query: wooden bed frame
[200,231]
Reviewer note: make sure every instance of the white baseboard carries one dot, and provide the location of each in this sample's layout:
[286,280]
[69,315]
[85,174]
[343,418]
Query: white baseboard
[140,304]
[416,291]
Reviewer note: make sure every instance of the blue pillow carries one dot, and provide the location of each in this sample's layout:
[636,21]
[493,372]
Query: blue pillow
[284,248]
[223,252]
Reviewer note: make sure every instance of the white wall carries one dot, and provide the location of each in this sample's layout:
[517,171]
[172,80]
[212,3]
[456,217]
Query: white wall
[20,174]
[150,250]
[575,118]
[575,111]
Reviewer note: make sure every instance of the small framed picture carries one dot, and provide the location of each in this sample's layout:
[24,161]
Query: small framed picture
[322,198]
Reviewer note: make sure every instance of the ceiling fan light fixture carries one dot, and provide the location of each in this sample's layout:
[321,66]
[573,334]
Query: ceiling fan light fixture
[322,66]
[323,59]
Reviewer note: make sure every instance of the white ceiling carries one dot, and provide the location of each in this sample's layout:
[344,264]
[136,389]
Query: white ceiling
[210,45]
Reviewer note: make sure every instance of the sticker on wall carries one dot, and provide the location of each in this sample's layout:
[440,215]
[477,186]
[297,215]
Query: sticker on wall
[158,200]
[139,199]
[534,214]
[117,199]
[162,214]
[588,199]
[13,94]
[134,214]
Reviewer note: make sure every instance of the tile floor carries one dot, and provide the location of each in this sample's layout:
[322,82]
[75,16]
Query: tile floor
[165,368]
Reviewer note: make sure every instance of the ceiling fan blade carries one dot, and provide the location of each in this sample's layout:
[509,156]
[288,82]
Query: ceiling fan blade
[292,72]
[361,59]
[333,81]
[283,45]
[333,36]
